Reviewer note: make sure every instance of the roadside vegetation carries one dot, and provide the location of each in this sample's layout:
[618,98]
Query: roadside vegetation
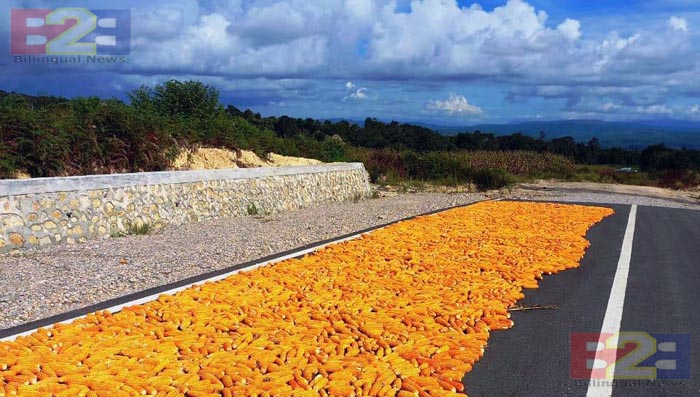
[136,229]
[50,136]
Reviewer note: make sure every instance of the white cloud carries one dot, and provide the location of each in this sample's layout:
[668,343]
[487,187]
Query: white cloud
[570,28]
[360,9]
[208,48]
[609,106]
[514,45]
[431,40]
[359,94]
[553,90]
[455,104]
[160,23]
[656,110]
[440,38]
[677,23]
[275,23]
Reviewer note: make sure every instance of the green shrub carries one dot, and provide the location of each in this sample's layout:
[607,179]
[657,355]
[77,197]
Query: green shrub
[491,179]
[141,229]
[679,179]
[253,209]
[136,229]
[484,169]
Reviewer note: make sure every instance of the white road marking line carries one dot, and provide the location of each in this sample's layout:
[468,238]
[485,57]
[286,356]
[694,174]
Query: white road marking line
[616,302]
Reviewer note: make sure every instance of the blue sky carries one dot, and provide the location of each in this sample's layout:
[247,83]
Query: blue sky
[437,61]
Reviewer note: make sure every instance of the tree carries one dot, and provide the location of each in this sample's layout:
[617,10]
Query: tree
[142,98]
[176,98]
[287,127]
[233,111]
[657,158]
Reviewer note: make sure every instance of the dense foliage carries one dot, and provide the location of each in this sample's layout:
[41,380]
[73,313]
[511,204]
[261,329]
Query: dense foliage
[51,136]
[486,169]
[394,135]
[48,136]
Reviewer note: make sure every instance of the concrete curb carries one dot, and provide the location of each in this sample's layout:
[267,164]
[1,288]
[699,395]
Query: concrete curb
[15,187]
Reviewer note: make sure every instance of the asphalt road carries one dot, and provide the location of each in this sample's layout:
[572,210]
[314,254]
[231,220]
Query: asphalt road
[539,357]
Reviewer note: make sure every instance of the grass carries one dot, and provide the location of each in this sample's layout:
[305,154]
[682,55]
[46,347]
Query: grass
[488,179]
[482,180]
[607,174]
[136,229]
[253,209]
[485,170]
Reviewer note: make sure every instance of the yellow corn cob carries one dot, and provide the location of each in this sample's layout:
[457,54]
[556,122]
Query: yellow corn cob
[399,323]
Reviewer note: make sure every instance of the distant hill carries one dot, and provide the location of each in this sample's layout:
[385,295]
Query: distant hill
[628,135]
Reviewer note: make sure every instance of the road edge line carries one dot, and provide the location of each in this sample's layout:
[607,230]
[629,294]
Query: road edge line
[117,304]
[613,313]
[119,307]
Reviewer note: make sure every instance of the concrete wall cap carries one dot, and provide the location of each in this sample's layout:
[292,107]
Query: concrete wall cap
[14,187]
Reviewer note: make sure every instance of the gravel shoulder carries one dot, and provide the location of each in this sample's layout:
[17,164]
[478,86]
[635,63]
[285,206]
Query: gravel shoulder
[596,194]
[687,196]
[38,284]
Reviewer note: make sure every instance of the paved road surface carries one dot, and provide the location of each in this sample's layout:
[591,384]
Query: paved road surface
[662,296]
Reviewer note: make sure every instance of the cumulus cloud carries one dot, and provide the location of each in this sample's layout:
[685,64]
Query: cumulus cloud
[455,104]
[442,34]
[570,28]
[515,45]
[356,93]
[609,106]
[359,94]
[430,40]
[652,111]
[677,23]
[208,48]
[597,107]
[656,110]
[157,24]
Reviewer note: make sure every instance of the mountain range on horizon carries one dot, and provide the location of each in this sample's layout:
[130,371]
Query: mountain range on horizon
[623,134]
[628,135]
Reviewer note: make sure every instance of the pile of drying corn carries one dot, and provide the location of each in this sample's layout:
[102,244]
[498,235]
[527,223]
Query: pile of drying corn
[405,311]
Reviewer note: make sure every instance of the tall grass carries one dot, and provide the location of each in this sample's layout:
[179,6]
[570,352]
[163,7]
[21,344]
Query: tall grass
[486,169]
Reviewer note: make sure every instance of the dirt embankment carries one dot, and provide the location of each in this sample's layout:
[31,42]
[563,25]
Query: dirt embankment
[213,159]
[216,159]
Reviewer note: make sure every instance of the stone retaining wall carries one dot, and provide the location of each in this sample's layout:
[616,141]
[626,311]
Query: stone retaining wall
[46,211]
